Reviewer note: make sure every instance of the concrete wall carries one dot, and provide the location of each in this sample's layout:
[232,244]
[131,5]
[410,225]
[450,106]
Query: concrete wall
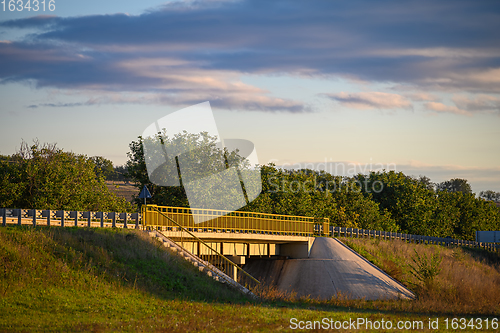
[296,250]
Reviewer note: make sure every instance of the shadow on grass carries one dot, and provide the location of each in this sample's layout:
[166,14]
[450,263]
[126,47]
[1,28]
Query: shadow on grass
[482,255]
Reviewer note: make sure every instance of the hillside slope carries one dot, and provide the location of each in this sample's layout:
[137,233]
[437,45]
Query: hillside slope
[61,277]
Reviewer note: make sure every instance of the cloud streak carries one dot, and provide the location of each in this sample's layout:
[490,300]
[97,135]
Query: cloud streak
[442,108]
[371,100]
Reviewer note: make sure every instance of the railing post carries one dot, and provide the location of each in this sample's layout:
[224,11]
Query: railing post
[89,219]
[102,219]
[34,217]
[48,217]
[19,214]
[76,219]
[4,217]
[137,220]
[113,219]
[62,217]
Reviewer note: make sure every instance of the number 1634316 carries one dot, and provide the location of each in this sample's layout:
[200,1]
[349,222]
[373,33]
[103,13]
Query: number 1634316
[28,5]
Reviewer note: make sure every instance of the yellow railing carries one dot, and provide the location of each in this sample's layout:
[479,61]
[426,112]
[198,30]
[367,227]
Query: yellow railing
[215,258]
[226,221]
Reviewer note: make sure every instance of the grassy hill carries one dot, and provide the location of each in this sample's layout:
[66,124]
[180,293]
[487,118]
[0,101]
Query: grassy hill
[77,279]
[455,280]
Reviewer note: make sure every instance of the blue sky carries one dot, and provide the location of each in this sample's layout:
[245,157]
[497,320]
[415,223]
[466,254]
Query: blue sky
[406,85]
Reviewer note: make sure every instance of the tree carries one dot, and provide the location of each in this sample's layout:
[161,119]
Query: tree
[318,194]
[185,163]
[119,173]
[475,215]
[426,181]
[490,195]
[455,185]
[136,171]
[410,203]
[42,176]
[103,166]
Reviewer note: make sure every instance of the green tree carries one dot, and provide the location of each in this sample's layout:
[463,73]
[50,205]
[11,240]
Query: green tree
[490,195]
[408,200]
[202,157]
[103,166]
[318,194]
[119,173]
[455,185]
[447,214]
[43,176]
[136,171]
[475,215]
[426,181]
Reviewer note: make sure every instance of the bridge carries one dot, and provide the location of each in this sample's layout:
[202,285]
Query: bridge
[227,239]
[236,234]
[302,262]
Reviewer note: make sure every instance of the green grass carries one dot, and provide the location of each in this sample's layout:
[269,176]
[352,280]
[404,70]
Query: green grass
[77,279]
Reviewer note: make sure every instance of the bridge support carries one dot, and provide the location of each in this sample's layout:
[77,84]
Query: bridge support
[296,250]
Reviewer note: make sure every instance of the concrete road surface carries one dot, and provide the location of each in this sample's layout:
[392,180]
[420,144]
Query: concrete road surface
[332,268]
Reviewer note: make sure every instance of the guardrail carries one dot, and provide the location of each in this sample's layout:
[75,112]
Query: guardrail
[68,218]
[388,235]
[238,222]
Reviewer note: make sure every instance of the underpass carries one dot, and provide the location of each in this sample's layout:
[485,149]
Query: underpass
[293,253]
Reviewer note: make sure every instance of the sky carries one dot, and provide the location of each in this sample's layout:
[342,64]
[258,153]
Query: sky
[345,86]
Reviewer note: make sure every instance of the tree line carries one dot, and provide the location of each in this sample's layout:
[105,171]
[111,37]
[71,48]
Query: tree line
[389,201]
[43,176]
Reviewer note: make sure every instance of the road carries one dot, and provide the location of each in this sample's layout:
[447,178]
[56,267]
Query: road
[332,269]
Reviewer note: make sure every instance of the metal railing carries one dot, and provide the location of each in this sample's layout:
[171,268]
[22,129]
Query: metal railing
[421,239]
[206,252]
[63,218]
[207,220]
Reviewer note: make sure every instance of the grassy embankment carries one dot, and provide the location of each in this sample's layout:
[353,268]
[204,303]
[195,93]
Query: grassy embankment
[462,281]
[68,279]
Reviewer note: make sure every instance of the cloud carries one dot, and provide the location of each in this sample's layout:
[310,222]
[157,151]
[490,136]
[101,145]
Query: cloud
[371,100]
[480,102]
[141,80]
[38,21]
[422,97]
[241,100]
[450,45]
[442,108]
